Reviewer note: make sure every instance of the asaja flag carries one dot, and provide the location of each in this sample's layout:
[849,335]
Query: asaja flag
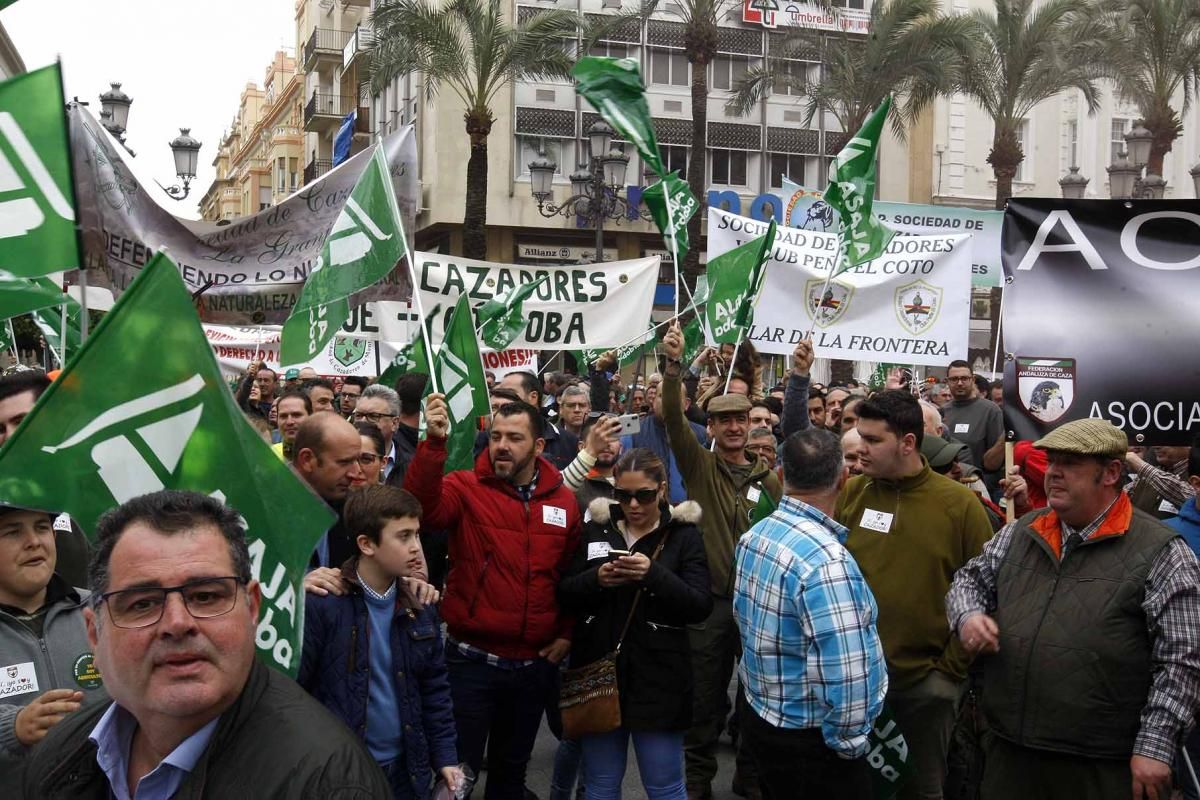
[625,354]
[502,319]
[851,193]
[693,340]
[364,245]
[116,425]
[672,221]
[614,88]
[887,757]
[460,377]
[411,357]
[37,213]
[764,508]
[21,295]
[734,281]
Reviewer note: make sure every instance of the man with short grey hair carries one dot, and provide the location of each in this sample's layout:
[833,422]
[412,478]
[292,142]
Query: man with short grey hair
[194,714]
[573,406]
[380,405]
[812,665]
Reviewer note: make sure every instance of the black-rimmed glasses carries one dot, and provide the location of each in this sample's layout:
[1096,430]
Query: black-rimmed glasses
[140,608]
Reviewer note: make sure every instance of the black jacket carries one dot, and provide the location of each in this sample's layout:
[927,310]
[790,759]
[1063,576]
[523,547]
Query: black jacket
[273,742]
[654,668]
[405,442]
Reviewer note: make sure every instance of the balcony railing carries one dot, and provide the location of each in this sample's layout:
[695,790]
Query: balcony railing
[324,43]
[327,105]
[315,169]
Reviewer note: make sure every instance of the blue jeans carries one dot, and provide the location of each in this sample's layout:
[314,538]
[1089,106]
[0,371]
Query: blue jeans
[659,756]
[566,769]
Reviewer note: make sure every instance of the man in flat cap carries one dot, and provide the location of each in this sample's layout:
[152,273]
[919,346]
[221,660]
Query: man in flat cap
[1087,614]
[727,483]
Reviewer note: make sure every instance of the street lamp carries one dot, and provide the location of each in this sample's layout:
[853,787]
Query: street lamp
[1195,173]
[115,104]
[1126,180]
[1138,140]
[1121,177]
[185,149]
[595,186]
[1074,185]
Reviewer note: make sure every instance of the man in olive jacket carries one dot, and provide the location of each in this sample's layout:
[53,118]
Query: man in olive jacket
[194,715]
[727,483]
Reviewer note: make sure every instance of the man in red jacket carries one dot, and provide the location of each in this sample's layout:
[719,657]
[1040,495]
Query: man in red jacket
[513,527]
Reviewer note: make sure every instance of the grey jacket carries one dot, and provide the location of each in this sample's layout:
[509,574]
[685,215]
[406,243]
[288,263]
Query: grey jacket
[54,660]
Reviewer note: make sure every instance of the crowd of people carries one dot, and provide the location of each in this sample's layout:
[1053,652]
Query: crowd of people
[832,554]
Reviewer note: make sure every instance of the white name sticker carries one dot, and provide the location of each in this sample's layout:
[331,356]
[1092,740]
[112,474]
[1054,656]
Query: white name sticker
[962,427]
[1167,507]
[598,550]
[62,522]
[18,679]
[753,493]
[873,520]
[553,515]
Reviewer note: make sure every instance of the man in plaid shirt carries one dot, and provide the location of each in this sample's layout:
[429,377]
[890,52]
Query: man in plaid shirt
[1087,615]
[812,665]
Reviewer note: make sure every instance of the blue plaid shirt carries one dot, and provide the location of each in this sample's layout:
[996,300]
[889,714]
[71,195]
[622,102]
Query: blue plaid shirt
[812,658]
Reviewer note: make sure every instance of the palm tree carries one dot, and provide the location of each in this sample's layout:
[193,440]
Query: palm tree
[469,46]
[910,52]
[1023,54]
[1153,51]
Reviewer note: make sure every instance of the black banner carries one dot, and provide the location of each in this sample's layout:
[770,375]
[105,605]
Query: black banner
[1101,316]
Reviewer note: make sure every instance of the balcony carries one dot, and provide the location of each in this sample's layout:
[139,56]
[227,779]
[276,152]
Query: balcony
[360,40]
[315,169]
[325,111]
[324,46]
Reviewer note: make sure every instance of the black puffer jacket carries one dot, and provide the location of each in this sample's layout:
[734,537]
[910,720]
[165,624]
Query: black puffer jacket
[274,742]
[654,668]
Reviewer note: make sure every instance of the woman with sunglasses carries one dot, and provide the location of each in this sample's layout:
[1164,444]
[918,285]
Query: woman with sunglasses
[371,456]
[616,562]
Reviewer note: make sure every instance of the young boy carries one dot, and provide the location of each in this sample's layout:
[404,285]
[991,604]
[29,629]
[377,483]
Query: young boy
[374,657]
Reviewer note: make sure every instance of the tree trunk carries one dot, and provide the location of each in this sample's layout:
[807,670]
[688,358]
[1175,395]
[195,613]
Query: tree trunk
[479,127]
[696,168]
[1005,157]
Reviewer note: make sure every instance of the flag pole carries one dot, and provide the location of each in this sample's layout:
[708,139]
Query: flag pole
[674,243]
[83,282]
[12,339]
[999,328]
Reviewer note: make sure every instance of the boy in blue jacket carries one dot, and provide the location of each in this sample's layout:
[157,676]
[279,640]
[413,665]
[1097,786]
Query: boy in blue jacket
[374,657]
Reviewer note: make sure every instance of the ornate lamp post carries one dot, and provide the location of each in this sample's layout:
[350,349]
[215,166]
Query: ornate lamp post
[186,150]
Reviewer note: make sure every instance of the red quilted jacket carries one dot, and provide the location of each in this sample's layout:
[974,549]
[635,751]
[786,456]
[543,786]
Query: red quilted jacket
[506,555]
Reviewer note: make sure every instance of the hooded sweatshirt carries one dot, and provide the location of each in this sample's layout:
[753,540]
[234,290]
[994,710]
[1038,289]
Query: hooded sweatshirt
[1188,524]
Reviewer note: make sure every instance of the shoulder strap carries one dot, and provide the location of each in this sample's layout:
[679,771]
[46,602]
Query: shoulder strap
[629,620]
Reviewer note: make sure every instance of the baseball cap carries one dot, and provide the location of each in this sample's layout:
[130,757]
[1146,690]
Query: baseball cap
[1087,437]
[939,452]
[291,374]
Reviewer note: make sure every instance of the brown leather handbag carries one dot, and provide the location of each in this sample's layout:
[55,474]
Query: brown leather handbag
[589,701]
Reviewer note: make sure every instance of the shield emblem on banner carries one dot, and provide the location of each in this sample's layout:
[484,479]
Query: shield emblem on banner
[826,309]
[917,306]
[349,352]
[1046,386]
[12,672]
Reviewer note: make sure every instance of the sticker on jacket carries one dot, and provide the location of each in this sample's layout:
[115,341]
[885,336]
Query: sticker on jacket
[873,520]
[62,522]
[553,515]
[598,550]
[1167,507]
[18,679]
[753,493]
[962,427]
[86,674]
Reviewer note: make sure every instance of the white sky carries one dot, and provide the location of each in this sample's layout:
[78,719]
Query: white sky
[183,62]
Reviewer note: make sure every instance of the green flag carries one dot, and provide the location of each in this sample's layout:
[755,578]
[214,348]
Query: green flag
[614,88]
[764,508]
[8,341]
[37,225]
[851,194]
[683,205]
[501,318]
[411,357]
[364,245]
[21,295]
[888,756]
[693,340]
[734,281]
[117,424]
[49,321]
[625,354]
[461,379]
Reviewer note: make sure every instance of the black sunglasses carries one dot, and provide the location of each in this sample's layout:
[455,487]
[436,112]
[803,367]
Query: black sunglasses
[644,496]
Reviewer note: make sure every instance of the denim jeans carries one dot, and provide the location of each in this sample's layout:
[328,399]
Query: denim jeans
[566,768]
[500,710]
[659,756]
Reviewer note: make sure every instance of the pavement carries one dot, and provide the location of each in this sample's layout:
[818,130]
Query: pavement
[541,766]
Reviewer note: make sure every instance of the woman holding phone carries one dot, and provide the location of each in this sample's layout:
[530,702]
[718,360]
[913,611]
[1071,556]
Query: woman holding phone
[638,544]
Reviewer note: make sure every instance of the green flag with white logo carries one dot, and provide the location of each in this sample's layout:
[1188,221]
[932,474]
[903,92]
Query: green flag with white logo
[626,354]
[683,207]
[851,194]
[763,508]
[37,213]
[614,88]
[693,339]
[21,295]
[461,379]
[734,281]
[501,319]
[117,424]
[364,245]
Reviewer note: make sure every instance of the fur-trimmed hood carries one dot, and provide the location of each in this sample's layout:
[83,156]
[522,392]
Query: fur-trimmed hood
[688,512]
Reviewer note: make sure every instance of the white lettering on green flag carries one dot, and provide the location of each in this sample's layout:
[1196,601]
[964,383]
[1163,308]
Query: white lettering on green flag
[734,281]
[460,376]
[851,193]
[94,441]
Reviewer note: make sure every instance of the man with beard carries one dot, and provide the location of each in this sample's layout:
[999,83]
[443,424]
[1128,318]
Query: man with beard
[975,421]
[590,475]
[513,527]
[727,483]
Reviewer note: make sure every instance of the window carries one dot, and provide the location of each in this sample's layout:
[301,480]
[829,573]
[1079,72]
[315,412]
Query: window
[1024,169]
[675,158]
[1120,127]
[557,150]
[786,165]
[1073,143]
[609,50]
[727,71]
[294,171]
[798,72]
[280,174]
[728,167]
[668,67]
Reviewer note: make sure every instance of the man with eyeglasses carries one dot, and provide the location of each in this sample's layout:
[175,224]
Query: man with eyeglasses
[397,417]
[172,622]
[352,389]
[976,422]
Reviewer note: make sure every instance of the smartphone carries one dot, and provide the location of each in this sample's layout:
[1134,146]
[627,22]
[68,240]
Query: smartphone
[614,554]
[630,424]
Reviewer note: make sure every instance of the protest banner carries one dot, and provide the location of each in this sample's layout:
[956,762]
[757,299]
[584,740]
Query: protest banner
[806,209]
[514,359]
[1097,317]
[93,442]
[585,306]
[909,306]
[235,348]
[255,267]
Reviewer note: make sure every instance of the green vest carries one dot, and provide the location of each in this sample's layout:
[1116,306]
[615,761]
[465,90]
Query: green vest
[1145,497]
[1074,666]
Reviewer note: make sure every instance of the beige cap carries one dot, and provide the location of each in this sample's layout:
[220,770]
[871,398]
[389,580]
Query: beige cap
[1087,437]
[729,404]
